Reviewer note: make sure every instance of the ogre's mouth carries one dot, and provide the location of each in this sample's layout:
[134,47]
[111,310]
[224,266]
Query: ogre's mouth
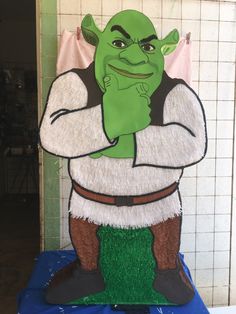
[129,74]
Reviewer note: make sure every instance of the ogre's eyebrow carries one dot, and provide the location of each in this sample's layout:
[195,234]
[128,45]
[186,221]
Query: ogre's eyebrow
[147,39]
[121,30]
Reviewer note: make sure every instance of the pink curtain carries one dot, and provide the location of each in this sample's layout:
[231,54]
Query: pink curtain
[75,52]
[179,63]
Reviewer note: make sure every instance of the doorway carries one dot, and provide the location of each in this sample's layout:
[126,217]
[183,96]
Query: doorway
[19,180]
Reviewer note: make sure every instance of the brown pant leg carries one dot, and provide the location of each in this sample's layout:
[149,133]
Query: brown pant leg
[166,242]
[84,239]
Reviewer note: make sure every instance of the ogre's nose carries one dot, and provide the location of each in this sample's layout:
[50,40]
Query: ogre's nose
[134,55]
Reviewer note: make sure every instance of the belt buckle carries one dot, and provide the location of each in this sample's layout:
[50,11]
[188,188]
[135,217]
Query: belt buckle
[123,201]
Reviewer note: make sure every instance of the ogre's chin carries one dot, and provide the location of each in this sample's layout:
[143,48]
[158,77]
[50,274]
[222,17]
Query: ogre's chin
[125,82]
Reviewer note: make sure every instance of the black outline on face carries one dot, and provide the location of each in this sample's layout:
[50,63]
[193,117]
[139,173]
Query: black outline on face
[141,42]
[147,39]
[121,30]
[129,74]
[120,40]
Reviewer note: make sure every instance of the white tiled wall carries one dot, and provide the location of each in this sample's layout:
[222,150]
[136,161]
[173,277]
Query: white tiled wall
[206,188]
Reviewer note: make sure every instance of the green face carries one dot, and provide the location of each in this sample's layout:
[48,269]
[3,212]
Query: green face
[129,49]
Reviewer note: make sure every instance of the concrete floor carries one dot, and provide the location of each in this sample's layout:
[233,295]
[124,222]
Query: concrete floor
[223,310]
[19,245]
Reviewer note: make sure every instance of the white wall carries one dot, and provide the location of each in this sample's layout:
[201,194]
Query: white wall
[207,187]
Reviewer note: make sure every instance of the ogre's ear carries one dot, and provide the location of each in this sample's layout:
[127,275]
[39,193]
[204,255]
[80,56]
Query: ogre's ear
[90,31]
[169,43]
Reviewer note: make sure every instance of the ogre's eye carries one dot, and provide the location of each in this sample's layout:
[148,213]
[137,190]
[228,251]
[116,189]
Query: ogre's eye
[118,43]
[148,47]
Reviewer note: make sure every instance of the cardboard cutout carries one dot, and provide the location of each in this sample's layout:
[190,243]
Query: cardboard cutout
[128,131]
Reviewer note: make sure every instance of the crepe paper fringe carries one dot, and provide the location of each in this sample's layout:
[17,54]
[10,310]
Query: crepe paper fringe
[127,264]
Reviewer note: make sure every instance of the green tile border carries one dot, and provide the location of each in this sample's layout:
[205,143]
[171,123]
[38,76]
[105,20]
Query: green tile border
[51,227]
[48,6]
[48,66]
[50,205]
[48,23]
[52,243]
[49,45]
[51,184]
[46,84]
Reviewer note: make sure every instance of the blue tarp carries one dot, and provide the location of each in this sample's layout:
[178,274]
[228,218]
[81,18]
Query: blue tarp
[31,300]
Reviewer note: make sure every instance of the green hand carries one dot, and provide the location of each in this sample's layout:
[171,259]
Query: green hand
[126,111]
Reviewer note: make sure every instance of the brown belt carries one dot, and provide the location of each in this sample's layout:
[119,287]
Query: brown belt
[125,200]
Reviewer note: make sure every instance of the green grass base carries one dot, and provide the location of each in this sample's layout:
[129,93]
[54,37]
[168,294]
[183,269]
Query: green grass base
[127,264]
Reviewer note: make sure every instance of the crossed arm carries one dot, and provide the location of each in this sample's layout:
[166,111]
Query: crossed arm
[182,140]
[70,129]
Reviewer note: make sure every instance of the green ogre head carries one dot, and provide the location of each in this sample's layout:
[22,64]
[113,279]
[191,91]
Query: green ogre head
[129,49]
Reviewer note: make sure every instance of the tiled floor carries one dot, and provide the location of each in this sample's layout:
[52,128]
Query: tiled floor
[19,245]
